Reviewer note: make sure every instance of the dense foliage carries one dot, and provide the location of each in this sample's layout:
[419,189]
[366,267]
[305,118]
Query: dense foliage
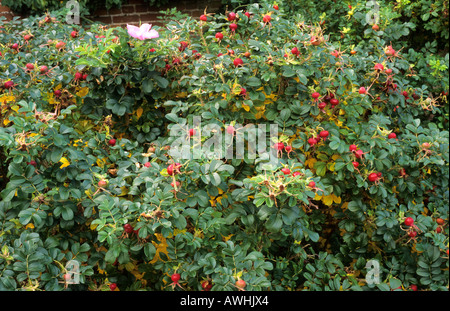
[86,172]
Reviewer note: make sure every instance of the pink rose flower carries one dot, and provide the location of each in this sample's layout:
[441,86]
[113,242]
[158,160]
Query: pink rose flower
[143,32]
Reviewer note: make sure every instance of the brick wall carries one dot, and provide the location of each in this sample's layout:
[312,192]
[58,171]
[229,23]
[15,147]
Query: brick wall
[138,11]
[5,11]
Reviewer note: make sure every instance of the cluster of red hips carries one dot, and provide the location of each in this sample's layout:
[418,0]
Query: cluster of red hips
[129,229]
[312,141]
[232,18]
[359,154]
[173,169]
[79,76]
[412,230]
[325,100]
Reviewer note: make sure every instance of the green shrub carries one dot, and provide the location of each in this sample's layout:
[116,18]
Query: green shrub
[228,219]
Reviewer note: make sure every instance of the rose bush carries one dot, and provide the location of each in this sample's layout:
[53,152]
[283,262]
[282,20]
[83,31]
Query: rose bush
[87,175]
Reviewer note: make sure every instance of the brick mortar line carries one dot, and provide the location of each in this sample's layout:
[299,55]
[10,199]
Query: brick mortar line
[148,12]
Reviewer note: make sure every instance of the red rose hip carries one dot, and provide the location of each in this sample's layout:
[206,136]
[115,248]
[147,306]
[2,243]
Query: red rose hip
[408,221]
[238,62]
[392,136]
[324,134]
[231,16]
[240,284]
[373,177]
[279,146]
[219,36]
[128,228]
[175,277]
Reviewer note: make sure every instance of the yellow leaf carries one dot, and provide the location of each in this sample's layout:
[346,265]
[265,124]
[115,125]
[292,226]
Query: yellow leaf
[82,92]
[124,191]
[88,193]
[374,247]
[100,270]
[6,121]
[330,166]
[310,162]
[226,238]
[129,266]
[246,107]
[336,199]
[51,100]
[328,200]
[160,248]
[259,115]
[164,172]
[239,274]
[139,112]
[219,199]
[178,231]
[64,162]
[181,95]
[335,157]
[5,98]
[29,226]
[101,162]
[138,275]
[236,90]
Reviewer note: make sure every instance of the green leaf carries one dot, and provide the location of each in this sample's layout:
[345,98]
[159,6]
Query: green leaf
[15,169]
[288,72]
[253,82]
[67,213]
[202,198]
[314,236]
[147,86]
[394,283]
[334,145]
[172,117]
[149,251]
[274,223]
[285,114]
[302,78]
[162,82]
[216,180]
[321,168]
[340,165]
